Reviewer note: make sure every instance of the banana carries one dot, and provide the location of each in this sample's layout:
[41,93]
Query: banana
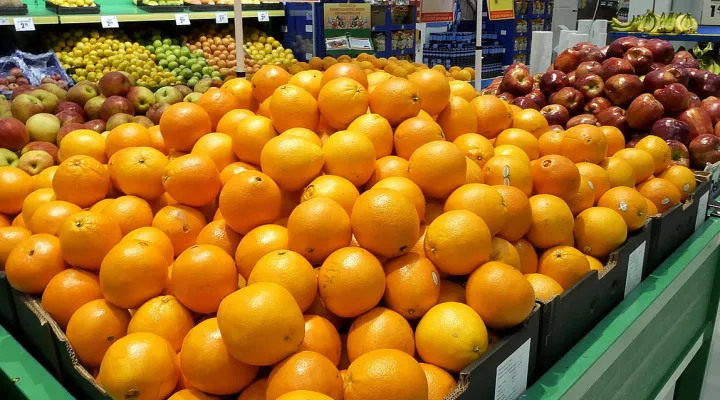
[680,23]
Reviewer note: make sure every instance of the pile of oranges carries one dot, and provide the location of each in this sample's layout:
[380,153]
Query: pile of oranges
[277,240]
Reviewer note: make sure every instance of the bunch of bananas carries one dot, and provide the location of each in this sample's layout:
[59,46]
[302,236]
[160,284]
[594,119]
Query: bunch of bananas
[654,23]
[705,58]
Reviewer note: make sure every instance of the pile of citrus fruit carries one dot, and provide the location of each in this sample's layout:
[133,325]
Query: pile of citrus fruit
[319,236]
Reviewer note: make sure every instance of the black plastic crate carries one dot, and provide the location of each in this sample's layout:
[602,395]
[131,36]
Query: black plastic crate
[262,7]
[35,331]
[161,9]
[8,315]
[72,10]
[14,10]
[211,7]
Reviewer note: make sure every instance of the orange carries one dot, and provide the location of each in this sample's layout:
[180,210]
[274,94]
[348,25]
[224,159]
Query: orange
[434,91]
[341,101]
[306,134]
[628,203]
[318,308]
[219,234]
[484,201]
[652,209]
[615,139]
[165,317]
[344,70]
[555,175]
[351,282]
[457,242]
[264,109]
[17,185]
[318,227]
[229,122]
[303,395]
[385,374]
[190,394]
[67,291]
[440,383]
[322,337]
[50,217]
[84,142]
[10,236]
[308,80]
[620,171]
[156,238]
[261,324]
[584,198]
[255,391]
[564,264]
[658,149]
[599,231]
[642,162]
[451,292]
[584,143]
[518,213]
[451,336]
[528,256]
[598,179]
[44,179]
[250,137]
[378,130]
[661,192]
[413,133]
[234,169]
[34,262]
[208,366]
[377,78]
[181,224]
[475,147]
[500,294]
[86,238]
[216,146]
[266,80]
[126,135]
[462,89]
[493,116]
[531,121]
[305,370]
[100,205]
[396,100]
[385,222]
[242,90]
[248,200]
[289,270]
[129,212]
[503,251]
[473,173]
[409,189]
[552,221]
[93,327]
[192,179]
[379,328]
[292,162]
[411,285]
[544,286]
[150,372]
[594,263]
[202,276]
[258,242]
[510,171]
[683,179]
[35,200]
[335,188]
[158,143]
[386,167]
[550,142]
[216,103]
[132,273]
[139,172]
[438,168]
[18,221]
[520,138]
[81,180]
[293,107]
[182,124]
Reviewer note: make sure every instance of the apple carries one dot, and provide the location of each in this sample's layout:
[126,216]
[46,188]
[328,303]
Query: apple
[184,90]
[661,50]
[640,58]
[502,96]
[643,112]
[590,86]
[43,127]
[555,114]
[25,106]
[704,149]
[694,100]
[587,68]
[13,134]
[656,65]
[623,88]
[581,45]
[114,84]
[571,78]
[204,84]
[596,105]
[517,80]
[671,129]
[679,153]
[582,119]
[552,81]
[143,120]
[524,102]
[685,59]
[141,98]
[96,125]
[613,116]
[94,106]
[49,100]
[54,89]
[569,98]
[34,161]
[118,119]
[65,129]
[604,51]
[634,139]
[674,98]
[619,46]
[711,86]
[711,105]
[195,96]
[698,120]
[8,158]
[681,74]
[42,146]
[717,129]
[81,93]
[70,106]
[156,111]
[68,117]
[168,95]
[537,97]
[116,105]
[20,89]
[590,53]
[615,66]
[566,61]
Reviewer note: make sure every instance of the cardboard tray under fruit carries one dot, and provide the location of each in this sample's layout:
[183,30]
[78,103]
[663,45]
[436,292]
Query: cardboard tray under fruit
[14,10]
[567,318]
[211,7]
[72,10]
[161,9]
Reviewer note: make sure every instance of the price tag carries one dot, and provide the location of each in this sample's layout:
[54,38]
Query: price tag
[182,19]
[221,18]
[512,374]
[503,32]
[702,210]
[711,12]
[5,21]
[24,24]
[109,21]
[635,268]
[263,16]
[308,28]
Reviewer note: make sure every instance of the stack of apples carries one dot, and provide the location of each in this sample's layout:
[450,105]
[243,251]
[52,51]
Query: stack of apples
[12,79]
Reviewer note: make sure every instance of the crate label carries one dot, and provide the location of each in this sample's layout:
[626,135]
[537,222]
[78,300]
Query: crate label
[24,24]
[221,18]
[503,32]
[308,56]
[263,16]
[702,210]
[109,21]
[182,19]
[5,21]
[635,268]
[308,28]
[512,374]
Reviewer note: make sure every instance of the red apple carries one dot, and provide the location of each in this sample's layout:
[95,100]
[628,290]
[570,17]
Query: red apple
[537,97]
[644,111]
[68,117]
[582,119]
[694,100]
[517,80]
[96,125]
[42,146]
[704,149]
[619,46]
[662,50]
[698,120]
[596,105]
[717,129]
[671,129]
[156,111]
[622,89]
[524,102]
[590,86]
[634,139]
[114,84]
[674,97]
[711,86]
[13,134]
[506,96]
[615,66]
[81,94]
[681,74]
[70,106]
[116,105]
[604,51]
[569,98]
[581,45]
[679,153]
[571,78]
[568,60]
[685,59]
[711,105]
[640,58]
[587,68]
[613,116]
[656,65]
[65,129]
[590,53]
[556,128]
[555,114]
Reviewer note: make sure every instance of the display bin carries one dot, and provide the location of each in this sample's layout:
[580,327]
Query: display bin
[675,225]
[161,9]
[714,171]
[8,316]
[507,369]
[14,10]
[60,10]
[572,314]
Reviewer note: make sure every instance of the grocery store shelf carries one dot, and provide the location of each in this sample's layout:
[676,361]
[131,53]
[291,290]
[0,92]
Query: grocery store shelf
[704,34]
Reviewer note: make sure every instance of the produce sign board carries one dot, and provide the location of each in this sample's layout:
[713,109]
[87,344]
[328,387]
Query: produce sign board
[434,10]
[500,9]
[347,29]
[711,12]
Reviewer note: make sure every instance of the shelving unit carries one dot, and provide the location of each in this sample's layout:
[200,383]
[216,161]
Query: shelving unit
[388,28]
[705,33]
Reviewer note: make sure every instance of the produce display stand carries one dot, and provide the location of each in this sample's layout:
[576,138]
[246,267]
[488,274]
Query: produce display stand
[705,33]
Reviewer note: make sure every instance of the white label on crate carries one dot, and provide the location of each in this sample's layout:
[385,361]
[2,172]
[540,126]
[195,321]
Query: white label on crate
[5,21]
[503,32]
[263,16]
[182,19]
[109,21]
[308,56]
[24,24]
[711,12]
[221,18]
[702,210]
[308,28]
[635,268]
[512,374]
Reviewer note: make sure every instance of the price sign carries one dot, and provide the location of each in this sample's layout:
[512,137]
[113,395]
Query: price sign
[263,16]
[5,21]
[711,12]
[109,21]
[24,24]
[182,19]
[221,18]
